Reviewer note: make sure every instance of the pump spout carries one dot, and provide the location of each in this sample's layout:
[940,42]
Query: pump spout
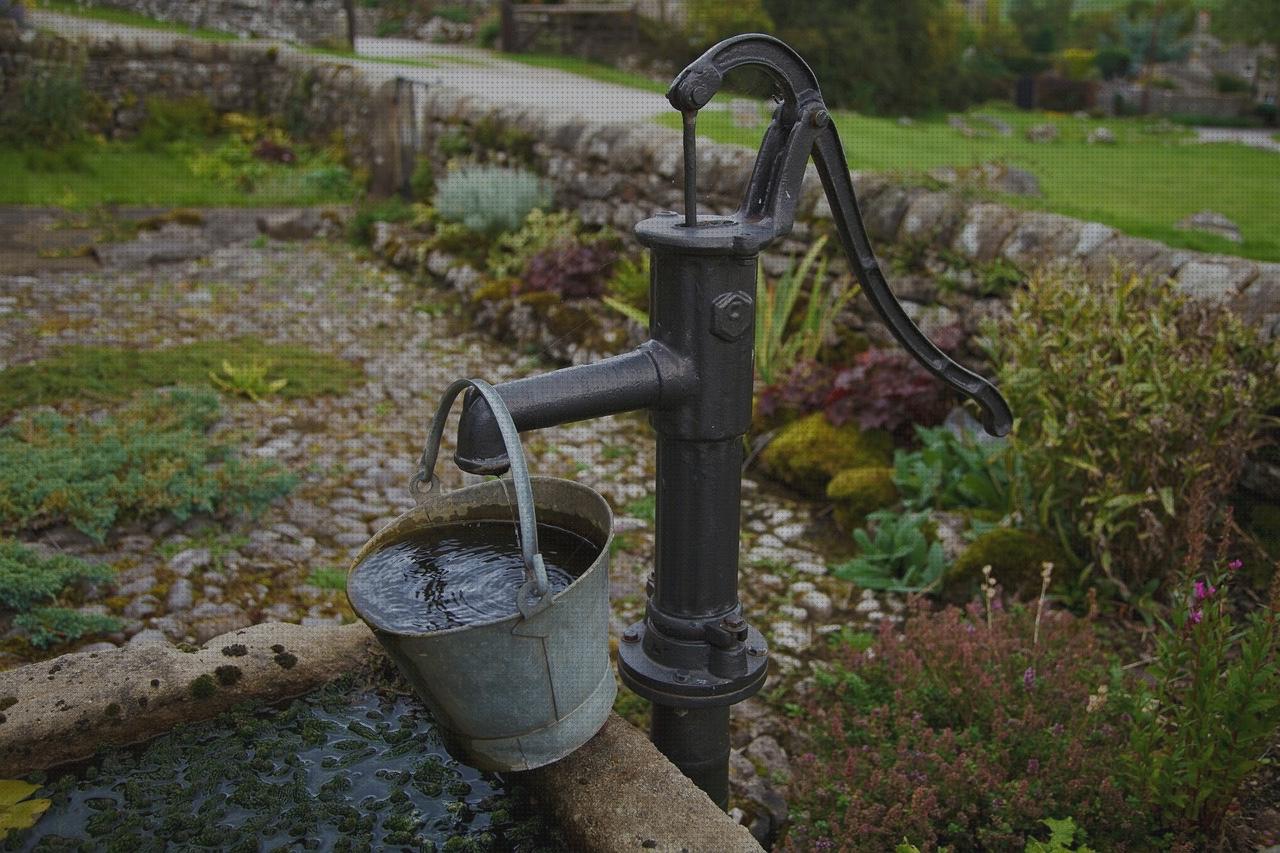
[648,377]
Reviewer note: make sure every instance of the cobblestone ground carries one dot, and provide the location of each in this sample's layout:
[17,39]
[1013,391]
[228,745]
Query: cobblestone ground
[356,453]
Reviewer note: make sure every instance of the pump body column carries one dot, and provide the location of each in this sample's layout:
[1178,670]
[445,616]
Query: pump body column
[694,655]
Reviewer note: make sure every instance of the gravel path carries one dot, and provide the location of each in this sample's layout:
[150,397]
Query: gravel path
[356,453]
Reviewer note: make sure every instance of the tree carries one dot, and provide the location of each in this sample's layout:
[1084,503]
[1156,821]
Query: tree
[884,56]
[1254,22]
[1043,24]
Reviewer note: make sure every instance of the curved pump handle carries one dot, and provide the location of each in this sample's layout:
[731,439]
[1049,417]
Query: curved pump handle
[801,128]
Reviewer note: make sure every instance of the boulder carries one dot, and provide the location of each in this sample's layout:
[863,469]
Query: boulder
[301,224]
[1212,222]
[1101,136]
[1042,133]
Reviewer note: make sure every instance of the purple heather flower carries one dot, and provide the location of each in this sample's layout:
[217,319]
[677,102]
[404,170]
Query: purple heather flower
[1033,766]
[1195,616]
[1235,565]
[1029,677]
[1204,590]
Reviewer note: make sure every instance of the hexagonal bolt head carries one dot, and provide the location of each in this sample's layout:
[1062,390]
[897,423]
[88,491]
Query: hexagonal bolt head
[732,315]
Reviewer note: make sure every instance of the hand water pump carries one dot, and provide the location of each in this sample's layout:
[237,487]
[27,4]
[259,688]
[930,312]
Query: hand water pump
[694,655]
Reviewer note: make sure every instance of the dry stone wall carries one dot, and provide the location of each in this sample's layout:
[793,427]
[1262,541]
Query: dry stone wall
[618,174]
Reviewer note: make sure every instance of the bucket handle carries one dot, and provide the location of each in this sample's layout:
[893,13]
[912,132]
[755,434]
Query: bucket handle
[534,595]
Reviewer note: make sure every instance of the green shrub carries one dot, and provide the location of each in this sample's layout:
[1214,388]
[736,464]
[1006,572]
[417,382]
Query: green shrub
[541,231]
[1208,712]
[49,109]
[490,199]
[1016,558]
[1134,407]
[27,579]
[629,283]
[807,453]
[897,557]
[857,492]
[177,120]
[47,627]
[151,458]
[964,733]
[423,180]
[394,209]
[951,472]
[110,373]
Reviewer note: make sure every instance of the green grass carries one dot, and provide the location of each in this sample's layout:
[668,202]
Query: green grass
[131,19]
[328,578]
[122,173]
[1142,185]
[592,70]
[109,373]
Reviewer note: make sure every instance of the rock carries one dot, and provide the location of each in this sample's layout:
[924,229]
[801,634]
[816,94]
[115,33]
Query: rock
[817,603]
[1042,133]
[792,612]
[138,586]
[1015,556]
[958,124]
[809,567]
[1015,181]
[185,562]
[744,113]
[141,607]
[181,595]
[906,121]
[149,637]
[1212,222]
[999,125]
[770,758]
[789,636]
[301,224]
[94,648]
[1101,136]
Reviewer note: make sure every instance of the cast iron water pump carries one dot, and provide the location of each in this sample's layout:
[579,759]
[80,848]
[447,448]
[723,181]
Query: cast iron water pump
[694,655]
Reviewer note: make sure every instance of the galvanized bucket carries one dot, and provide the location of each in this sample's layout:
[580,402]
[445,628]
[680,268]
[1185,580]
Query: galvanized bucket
[530,688]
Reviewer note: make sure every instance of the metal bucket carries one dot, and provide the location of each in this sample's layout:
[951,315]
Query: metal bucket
[530,688]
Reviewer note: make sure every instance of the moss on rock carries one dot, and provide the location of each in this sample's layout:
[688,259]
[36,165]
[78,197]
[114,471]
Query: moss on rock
[808,453]
[1016,558]
[859,491]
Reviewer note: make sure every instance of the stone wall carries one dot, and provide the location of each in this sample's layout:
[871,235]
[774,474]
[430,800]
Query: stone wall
[307,21]
[618,174]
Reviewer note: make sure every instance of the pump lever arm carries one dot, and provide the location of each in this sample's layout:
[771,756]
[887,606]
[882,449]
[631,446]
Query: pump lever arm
[802,127]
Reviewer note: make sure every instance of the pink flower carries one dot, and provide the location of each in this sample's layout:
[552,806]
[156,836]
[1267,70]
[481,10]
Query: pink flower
[1235,565]
[1203,590]
[1195,616]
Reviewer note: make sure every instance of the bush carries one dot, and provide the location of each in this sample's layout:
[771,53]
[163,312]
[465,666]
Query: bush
[540,231]
[27,579]
[393,209]
[490,199]
[111,373]
[49,111]
[963,734]
[858,492]
[1133,405]
[1209,711]
[573,272]
[152,458]
[808,453]
[897,556]
[47,627]
[953,472]
[177,120]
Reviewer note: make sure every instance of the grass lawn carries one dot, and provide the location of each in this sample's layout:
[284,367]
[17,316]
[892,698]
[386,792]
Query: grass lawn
[132,19]
[593,70]
[121,173]
[1142,185]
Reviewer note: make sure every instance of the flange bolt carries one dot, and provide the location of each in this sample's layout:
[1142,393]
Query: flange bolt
[631,635]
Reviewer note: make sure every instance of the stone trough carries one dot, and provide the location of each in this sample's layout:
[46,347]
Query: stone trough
[616,793]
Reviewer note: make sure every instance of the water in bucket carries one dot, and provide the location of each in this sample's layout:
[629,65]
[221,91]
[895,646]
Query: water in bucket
[461,573]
